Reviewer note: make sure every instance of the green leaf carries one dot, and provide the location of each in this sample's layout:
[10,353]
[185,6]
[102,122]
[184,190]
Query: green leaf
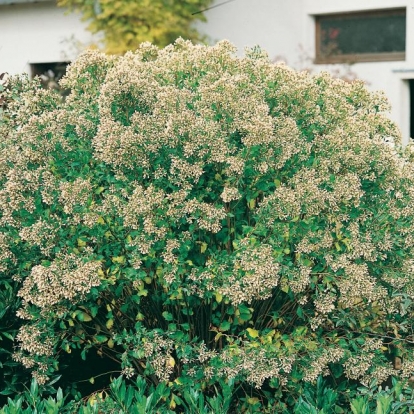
[8,336]
[94,311]
[167,316]
[100,339]
[84,317]
[99,190]
[225,326]
[384,404]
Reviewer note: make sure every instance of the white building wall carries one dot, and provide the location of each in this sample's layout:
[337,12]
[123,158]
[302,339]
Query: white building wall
[275,25]
[38,33]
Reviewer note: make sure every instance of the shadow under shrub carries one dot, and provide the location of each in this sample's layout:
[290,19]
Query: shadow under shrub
[196,218]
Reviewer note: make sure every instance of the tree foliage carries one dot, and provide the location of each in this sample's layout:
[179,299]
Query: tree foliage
[126,24]
[202,219]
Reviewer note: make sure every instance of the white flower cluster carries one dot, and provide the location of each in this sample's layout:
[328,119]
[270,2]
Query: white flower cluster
[68,278]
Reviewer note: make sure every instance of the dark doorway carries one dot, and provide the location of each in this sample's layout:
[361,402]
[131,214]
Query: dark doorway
[411,83]
[50,73]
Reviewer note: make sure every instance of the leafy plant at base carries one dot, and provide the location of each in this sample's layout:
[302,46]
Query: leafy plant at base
[373,399]
[140,398]
[199,218]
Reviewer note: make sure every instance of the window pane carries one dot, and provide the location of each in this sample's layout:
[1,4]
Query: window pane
[362,34]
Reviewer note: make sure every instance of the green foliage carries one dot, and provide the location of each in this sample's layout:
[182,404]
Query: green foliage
[11,375]
[31,401]
[126,24]
[221,231]
[318,399]
[373,399]
[137,397]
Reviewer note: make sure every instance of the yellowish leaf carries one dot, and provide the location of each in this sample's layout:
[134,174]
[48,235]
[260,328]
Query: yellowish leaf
[85,317]
[171,362]
[119,259]
[218,336]
[253,332]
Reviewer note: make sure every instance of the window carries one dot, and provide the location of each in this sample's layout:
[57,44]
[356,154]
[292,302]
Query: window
[50,73]
[361,37]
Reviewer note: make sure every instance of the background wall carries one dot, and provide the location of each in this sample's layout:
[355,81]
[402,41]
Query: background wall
[38,33]
[275,25]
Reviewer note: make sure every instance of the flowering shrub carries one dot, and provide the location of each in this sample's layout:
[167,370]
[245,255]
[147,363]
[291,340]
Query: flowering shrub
[198,217]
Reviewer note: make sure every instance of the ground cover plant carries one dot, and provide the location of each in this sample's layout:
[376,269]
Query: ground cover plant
[224,233]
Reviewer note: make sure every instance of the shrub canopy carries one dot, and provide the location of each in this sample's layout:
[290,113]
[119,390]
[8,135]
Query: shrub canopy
[196,216]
